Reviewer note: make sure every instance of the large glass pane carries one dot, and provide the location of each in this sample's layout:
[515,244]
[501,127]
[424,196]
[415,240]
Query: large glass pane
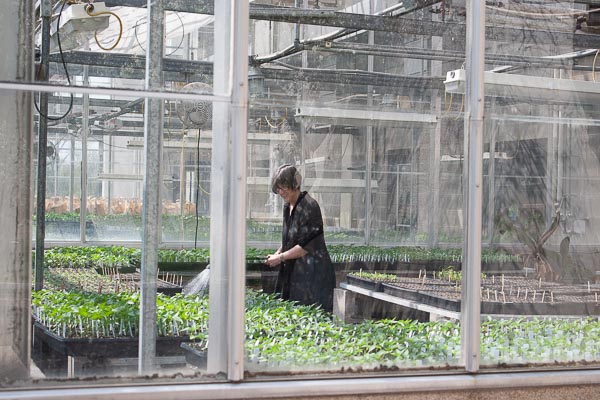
[87,300]
[363,118]
[365,100]
[540,162]
[86,318]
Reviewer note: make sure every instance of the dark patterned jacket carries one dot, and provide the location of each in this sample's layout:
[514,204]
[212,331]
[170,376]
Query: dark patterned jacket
[309,279]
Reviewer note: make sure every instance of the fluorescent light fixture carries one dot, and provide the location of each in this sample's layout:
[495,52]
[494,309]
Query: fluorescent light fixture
[77,27]
[526,87]
[354,117]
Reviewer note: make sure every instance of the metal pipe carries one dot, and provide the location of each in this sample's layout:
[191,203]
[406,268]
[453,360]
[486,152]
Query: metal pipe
[39,87]
[473,171]
[152,205]
[110,170]
[85,126]
[433,200]
[552,173]
[71,172]
[566,61]
[301,44]
[491,185]
[369,146]
[435,135]
[40,213]
[297,26]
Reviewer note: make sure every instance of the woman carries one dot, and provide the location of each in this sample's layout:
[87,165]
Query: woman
[306,273]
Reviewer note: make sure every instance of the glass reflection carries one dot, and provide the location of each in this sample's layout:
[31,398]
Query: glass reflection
[539,166]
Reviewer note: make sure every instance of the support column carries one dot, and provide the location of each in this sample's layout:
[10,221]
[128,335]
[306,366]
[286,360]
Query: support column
[433,200]
[491,184]
[473,173]
[152,205]
[40,226]
[16,128]
[85,130]
[369,145]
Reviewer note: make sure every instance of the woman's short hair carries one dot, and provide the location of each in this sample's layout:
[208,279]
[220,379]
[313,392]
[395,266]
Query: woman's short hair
[286,176]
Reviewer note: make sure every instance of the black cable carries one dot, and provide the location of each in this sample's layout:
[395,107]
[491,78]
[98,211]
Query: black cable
[135,34]
[197,187]
[65,68]
[182,35]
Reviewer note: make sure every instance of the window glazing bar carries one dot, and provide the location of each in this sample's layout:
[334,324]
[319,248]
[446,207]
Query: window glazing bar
[131,93]
[237,183]
[228,192]
[85,130]
[473,170]
[320,388]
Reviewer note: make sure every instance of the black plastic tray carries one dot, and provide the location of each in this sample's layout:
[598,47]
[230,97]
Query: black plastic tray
[193,356]
[104,347]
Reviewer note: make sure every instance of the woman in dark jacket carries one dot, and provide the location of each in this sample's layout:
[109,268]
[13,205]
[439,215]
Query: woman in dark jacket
[306,273]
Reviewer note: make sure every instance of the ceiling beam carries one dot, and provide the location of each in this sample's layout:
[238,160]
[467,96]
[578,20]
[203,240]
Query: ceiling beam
[125,63]
[324,17]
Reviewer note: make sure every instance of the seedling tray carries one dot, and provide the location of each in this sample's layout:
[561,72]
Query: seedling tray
[557,299]
[104,347]
[374,286]
[194,356]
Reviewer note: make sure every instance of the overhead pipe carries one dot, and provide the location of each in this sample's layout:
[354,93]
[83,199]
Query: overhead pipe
[299,45]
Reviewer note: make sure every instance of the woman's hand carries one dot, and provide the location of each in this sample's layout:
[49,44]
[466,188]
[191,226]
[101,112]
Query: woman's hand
[274,260]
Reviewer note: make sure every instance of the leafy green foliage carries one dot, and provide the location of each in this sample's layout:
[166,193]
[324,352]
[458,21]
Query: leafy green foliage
[85,280]
[450,274]
[183,255]
[374,276]
[283,334]
[74,314]
[114,256]
[519,340]
[91,257]
[344,253]
[119,256]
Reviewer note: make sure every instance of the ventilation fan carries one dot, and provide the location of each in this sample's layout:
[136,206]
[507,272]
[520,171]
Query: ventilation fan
[50,152]
[195,114]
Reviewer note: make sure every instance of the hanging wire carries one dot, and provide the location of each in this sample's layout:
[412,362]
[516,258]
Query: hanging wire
[462,106]
[64,64]
[197,188]
[594,65]
[277,125]
[89,9]
[137,24]
[450,102]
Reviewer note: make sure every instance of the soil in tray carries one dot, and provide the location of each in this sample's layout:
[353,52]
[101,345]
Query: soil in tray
[519,296]
[369,284]
[133,281]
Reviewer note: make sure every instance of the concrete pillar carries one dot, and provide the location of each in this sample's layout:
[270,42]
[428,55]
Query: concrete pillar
[16,127]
